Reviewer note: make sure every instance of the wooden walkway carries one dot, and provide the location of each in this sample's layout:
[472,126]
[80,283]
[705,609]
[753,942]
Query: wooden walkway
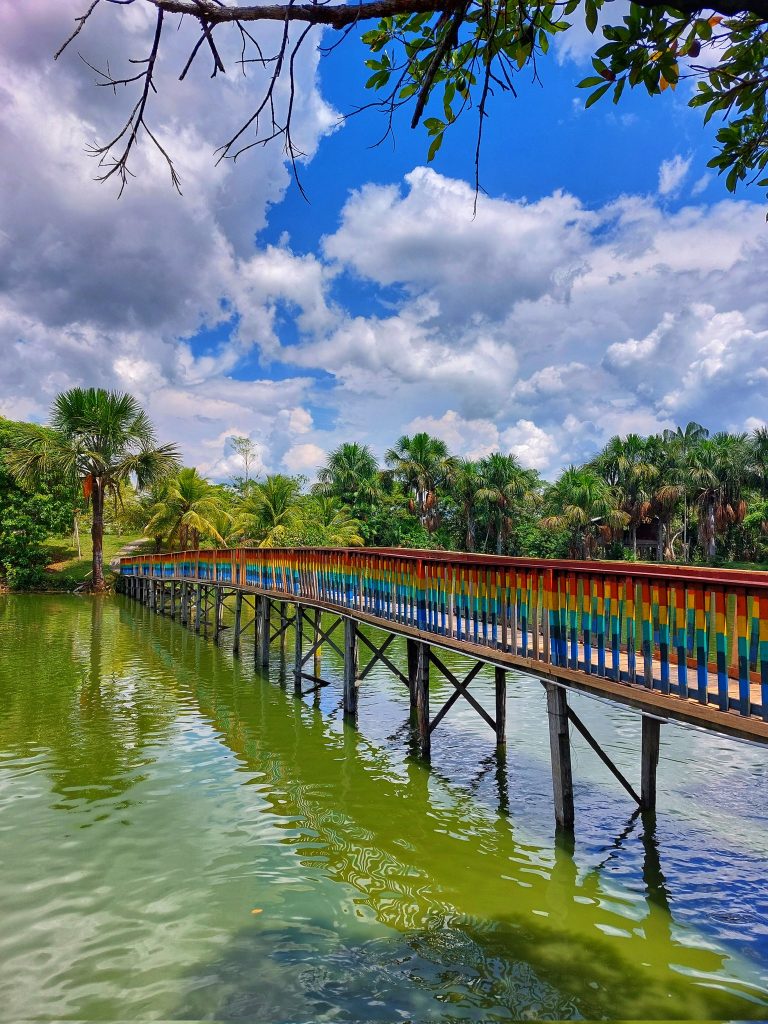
[677,644]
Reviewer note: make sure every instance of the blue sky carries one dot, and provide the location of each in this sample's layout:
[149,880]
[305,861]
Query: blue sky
[607,284]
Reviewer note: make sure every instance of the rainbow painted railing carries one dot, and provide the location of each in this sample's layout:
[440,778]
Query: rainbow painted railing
[697,633]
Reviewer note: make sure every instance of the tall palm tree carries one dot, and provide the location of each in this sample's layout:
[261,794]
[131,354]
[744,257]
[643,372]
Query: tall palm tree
[424,465]
[759,452]
[626,464]
[721,471]
[504,484]
[683,442]
[269,511]
[98,440]
[188,507]
[466,483]
[350,473]
[582,503]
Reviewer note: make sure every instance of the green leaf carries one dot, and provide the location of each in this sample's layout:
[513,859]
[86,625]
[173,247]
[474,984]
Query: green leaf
[590,8]
[597,94]
[589,83]
[436,144]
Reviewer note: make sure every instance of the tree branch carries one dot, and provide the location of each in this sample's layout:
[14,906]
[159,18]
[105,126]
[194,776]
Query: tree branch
[338,16]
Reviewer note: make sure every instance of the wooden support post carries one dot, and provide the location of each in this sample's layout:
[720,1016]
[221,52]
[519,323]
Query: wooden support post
[650,760]
[162,597]
[560,752]
[198,606]
[184,603]
[238,620]
[263,632]
[501,706]
[298,649]
[350,668]
[420,697]
[283,631]
[412,651]
[217,612]
[173,600]
[318,664]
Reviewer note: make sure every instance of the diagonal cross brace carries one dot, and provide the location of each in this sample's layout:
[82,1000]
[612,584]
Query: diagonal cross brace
[379,655]
[573,717]
[461,691]
[324,637]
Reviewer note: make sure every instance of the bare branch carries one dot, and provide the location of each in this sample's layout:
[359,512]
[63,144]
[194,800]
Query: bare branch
[79,23]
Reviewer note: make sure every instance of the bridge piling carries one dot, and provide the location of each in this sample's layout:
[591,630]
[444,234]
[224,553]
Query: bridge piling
[298,648]
[350,668]
[262,631]
[500,681]
[560,754]
[651,732]
[238,620]
[198,606]
[217,614]
[419,683]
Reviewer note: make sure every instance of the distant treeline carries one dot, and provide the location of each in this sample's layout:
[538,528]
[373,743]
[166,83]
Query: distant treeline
[683,495]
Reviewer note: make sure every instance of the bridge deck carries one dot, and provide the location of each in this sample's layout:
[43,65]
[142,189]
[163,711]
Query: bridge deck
[686,645]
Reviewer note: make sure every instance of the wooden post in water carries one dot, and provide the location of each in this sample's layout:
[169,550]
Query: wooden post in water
[501,706]
[318,661]
[350,668]
[198,606]
[217,612]
[420,696]
[298,648]
[412,652]
[650,761]
[173,599]
[560,752]
[283,631]
[238,620]
[263,632]
[184,604]
[162,596]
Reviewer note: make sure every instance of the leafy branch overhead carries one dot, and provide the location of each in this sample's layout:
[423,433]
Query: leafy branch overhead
[445,59]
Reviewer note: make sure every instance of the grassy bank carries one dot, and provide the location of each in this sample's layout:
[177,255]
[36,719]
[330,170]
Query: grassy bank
[66,570]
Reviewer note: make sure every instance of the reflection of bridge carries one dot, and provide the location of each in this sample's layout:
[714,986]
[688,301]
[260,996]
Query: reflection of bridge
[682,644]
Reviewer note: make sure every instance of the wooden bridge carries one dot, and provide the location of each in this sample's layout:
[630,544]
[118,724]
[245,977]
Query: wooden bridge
[675,643]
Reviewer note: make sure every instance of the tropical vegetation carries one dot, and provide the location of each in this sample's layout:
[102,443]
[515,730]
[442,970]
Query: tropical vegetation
[680,496]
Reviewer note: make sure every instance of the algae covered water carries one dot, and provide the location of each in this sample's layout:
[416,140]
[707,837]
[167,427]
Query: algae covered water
[183,838]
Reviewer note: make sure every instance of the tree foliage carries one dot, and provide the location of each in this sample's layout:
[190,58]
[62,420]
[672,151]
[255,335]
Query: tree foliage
[447,58]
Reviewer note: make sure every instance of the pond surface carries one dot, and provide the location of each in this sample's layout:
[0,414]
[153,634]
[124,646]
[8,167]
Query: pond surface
[182,838]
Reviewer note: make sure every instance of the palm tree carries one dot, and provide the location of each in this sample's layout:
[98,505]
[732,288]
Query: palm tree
[269,511]
[187,508]
[626,464]
[423,464]
[332,523]
[504,484]
[683,442]
[582,503]
[98,440]
[351,474]
[465,486]
[759,450]
[721,470]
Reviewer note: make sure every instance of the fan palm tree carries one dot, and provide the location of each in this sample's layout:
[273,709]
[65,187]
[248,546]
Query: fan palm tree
[581,502]
[269,511]
[626,464]
[423,464]
[351,474]
[188,507]
[504,484]
[682,443]
[465,487]
[98,439]
[721,471]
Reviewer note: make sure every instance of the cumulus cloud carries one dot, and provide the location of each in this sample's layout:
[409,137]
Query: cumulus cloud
[539,328]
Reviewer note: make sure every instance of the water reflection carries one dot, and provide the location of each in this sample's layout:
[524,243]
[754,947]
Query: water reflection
[446,875]
[386,889]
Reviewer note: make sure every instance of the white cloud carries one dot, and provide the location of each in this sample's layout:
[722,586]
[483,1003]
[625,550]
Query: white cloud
[672,174]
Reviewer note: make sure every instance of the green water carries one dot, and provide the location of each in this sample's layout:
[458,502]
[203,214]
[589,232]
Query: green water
[154,792]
